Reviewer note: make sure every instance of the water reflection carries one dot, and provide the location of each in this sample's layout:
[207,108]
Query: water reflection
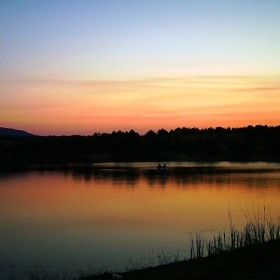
[182,177]
[115,212]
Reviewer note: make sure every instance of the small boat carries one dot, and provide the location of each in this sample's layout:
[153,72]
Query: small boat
[162,167]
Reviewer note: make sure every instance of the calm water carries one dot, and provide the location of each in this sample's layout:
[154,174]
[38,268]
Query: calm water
[108,216]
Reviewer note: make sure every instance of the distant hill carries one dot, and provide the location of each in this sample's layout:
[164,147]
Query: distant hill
[13,132]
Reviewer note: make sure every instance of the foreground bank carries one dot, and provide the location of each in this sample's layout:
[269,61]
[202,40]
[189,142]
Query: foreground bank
[258,261]
[253,253]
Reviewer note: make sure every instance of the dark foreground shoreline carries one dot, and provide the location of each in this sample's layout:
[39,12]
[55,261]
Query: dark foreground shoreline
[257,261]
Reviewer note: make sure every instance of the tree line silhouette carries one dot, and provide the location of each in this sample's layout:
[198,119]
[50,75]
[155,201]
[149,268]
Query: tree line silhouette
[251,143]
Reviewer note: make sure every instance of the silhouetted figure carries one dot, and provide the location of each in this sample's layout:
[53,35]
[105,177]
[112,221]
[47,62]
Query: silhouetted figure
[164,166]
[159,166]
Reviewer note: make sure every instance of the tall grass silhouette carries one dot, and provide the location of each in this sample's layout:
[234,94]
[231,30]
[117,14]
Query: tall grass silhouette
[258,229]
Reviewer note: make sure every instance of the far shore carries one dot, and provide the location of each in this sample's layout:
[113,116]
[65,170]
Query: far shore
[67,160]
[83,162]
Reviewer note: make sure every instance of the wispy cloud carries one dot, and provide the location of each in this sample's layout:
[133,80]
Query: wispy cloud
[142,103]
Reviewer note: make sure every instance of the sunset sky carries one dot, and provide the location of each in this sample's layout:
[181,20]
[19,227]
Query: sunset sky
[79,67]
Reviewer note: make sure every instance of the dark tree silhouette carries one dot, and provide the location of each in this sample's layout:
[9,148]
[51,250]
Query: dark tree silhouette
[245,143]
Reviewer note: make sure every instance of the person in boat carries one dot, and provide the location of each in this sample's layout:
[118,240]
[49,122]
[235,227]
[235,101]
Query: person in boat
[159,166]
[164,166]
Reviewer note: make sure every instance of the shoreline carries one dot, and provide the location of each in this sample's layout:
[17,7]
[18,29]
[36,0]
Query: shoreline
[252,253]
[256,261]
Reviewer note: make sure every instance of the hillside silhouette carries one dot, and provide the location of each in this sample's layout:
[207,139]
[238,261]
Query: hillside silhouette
[251,143]
[13,132]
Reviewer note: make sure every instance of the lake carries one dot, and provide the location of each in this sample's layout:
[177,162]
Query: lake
[117,215]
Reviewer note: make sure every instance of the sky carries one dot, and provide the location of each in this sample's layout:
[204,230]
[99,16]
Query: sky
[80,67]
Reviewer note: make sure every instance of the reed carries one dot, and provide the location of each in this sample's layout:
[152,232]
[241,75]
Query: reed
[257,230]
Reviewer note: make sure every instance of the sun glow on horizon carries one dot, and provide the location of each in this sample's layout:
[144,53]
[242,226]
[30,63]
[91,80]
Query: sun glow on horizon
[85,107]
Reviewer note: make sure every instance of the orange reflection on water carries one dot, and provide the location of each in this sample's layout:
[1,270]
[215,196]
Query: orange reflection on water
[181,204]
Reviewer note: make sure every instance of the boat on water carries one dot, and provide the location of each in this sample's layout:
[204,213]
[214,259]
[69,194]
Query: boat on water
[162,167]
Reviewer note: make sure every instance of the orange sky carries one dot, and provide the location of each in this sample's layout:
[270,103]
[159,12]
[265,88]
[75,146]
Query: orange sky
[85,107]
